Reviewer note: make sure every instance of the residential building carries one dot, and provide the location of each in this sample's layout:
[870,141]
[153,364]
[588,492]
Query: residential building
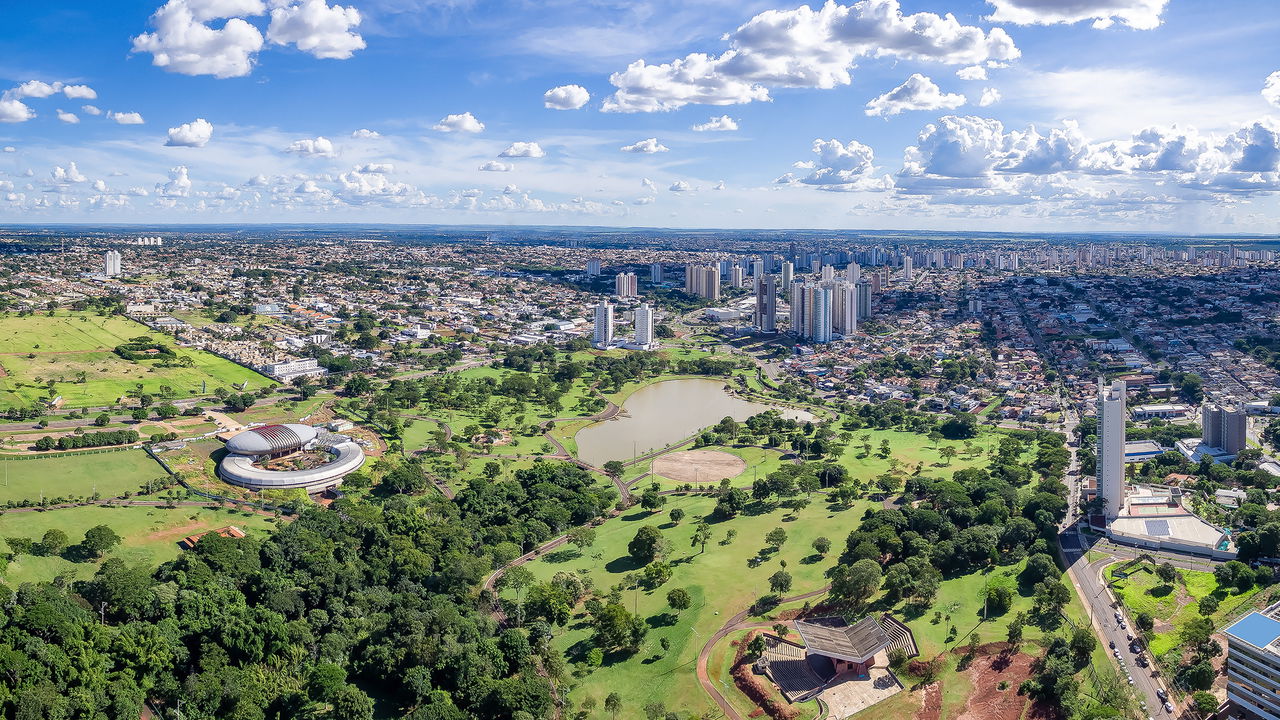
[603,337]
[625,285]
[1253,663]
[644,326]
[767,304]
[1110,465]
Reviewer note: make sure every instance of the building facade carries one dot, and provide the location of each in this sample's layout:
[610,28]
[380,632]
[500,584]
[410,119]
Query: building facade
[644,326]
[625,285]
[603,336]
[1110,465]
[1253,663]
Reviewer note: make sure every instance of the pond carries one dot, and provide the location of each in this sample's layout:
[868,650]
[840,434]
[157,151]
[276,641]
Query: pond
[663,413]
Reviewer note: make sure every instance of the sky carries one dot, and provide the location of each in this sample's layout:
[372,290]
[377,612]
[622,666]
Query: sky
[1009,115]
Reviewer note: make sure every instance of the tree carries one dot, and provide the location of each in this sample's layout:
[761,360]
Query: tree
[1167,573]
[1082,645]
[856,583]
[614,469]
[701,535]
[1014,632]
[947,452]
[1208,605]
[1039,567]
[1197,631]
[1205,702]
[780,582]
[102,420]
[613,704]
[54,542]
[98,540]
[679,599]
[651,499]
[582,537]
[647,545]
[1144,621]
[775,538]
[517,578]
[139,414]
[821,545]
[677,514]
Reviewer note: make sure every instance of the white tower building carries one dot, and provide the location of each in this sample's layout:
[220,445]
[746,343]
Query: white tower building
[604,324]
[111,263]
[644,326]
[1110,466]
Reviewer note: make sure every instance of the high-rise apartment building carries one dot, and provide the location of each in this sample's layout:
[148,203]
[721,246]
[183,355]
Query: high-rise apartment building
[767,304]
[644,326]
[702,280]
[864,299]
[625,285]
[604,325]
[111,263]
[811,311]
[788,275]
[593,267]
[1224,428]
[908,270]
[736,277]
[1253,663]
[844,308]
[1110,465]
[655,272]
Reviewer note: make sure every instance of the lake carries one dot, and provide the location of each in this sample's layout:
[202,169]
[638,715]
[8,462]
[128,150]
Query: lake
[660,414]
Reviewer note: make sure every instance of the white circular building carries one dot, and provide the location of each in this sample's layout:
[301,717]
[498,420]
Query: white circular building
[249,451]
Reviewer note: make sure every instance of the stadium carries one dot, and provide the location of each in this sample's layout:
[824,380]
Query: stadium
[285,457]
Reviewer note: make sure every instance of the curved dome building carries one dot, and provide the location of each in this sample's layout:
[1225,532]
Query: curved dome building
[247,450]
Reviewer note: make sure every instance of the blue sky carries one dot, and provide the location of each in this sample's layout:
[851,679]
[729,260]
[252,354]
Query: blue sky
[1147,115]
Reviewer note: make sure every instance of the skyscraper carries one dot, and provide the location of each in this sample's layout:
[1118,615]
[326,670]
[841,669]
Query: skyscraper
[604,324]
[767,304]
[908,273]
[655,272]
[844,308]
[626,285]
[111,263]
[853,273]
[644,326]
[811,311]
[593,267]
[1110,465]
[735,276]
[864,299]
[788,273]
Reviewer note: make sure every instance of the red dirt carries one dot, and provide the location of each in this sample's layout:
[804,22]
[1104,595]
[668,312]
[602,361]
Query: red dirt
[931,705]
[987,701]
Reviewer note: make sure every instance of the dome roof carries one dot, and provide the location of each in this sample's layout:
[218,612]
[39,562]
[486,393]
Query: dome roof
[270,439]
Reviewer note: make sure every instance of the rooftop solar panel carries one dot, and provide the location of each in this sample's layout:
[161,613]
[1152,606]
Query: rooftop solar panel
[1158,527]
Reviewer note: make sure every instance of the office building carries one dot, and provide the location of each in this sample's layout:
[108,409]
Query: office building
[644,326]
[604,325]
[111,263]
[625,285]
[593,267]
[1110,465]
[1225,428]
[767,304]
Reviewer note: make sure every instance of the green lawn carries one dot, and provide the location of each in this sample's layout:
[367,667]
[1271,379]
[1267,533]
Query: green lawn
[1173,606]
[110,474]
[151,535]
[911,449]
[37,349]
[720,581]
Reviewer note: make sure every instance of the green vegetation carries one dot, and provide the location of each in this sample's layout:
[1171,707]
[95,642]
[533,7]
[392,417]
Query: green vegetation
[56,478]
[72,355]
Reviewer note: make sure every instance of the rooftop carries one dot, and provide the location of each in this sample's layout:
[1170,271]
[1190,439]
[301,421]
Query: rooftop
[1257,629]
[833,637]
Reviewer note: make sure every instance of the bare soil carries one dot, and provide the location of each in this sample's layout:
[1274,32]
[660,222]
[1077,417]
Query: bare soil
[987,701]
[698,466]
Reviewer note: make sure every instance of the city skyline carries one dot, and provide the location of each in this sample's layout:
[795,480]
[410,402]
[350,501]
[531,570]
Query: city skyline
[1001,115]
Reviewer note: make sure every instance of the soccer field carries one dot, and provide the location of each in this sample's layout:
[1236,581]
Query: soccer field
[75,352]
[57,477]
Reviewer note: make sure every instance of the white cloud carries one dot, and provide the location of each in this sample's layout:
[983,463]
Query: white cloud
[718,186]
[66,117]
[680,186]
[90,110]
[496,166]
[566,97]
[840,166]
[973,72]
[179,184]
[184,43]
[34,89]
[312,147]
[317,28]
[990,96]
[14,111]
[723,123]
[803,48]
[646,200]
[196,133]
[70,174]
[79,92]
[100,185]
[463,123]
[917,93]
[1137,14]
[649,185]
[365,134]
[523,149]
[1271,88]
[10,148]
[133,118]
[647,146]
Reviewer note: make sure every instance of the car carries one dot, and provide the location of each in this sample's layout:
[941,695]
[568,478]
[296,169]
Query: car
[1116,653]
[1168,706]
[1129,637]
[1113,644]
[1164,696]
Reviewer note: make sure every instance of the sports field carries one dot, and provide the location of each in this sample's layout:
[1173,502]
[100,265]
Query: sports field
[74,351]
[66,476]
[151,535]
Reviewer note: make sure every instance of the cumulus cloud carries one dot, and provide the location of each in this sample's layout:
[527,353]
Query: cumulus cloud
[649,185]
[566,97]
[12,111]
[803,48]
[723,123]
[462,123]
[973,72]
[10,148]
[316,28]
[990,96]
[840,166]
[496,166]
[34,89]
[66,117]
[647,146]
[679,186]
[1137,14]
[365,134]
[184,43]
[312,147]
[523,149]
[1271,88]
[79,92]
[196,133]
[69,174]
[179,184]
[90,110]
[917,93]
[133,118]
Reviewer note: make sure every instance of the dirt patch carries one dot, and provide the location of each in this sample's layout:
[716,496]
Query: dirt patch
[931,705]
[191,527]
[698,466]
[988,701]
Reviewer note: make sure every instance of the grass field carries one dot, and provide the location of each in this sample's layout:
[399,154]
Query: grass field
[110,474]
[1173,606]
[910,449]
[720,581]
[151,535]
[37,349]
